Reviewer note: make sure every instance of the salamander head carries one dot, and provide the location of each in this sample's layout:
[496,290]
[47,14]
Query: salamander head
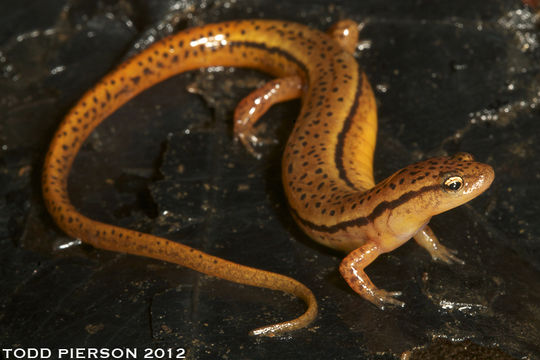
[433,186]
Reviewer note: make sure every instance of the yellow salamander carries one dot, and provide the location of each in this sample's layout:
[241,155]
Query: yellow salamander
[327,162]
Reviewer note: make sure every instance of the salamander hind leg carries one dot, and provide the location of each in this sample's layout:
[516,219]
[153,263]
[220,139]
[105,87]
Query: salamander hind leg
[346,32]
[352,270]
[257,103]
[427,239]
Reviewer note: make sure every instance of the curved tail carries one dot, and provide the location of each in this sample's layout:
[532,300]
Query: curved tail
[114,238]
[188,50]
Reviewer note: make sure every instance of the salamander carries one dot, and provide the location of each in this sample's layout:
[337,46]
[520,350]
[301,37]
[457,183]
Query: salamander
[327,166]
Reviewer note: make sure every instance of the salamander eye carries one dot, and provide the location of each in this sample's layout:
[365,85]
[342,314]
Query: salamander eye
[453,183]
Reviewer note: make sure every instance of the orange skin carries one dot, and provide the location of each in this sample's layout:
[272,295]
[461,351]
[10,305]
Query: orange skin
[327,163]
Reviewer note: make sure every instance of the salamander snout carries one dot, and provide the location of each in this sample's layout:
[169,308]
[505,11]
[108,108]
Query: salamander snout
[442,183]
[462,179]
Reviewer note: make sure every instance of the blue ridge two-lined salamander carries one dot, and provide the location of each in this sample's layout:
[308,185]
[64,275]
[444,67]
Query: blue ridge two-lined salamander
[327,163]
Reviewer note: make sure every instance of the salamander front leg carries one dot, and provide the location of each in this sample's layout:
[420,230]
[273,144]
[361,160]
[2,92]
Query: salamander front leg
[257,103]
[352,270]
[427,239]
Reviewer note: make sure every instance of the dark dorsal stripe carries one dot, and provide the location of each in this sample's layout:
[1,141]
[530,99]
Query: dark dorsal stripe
[271,50]
[345,130]
[364,220]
